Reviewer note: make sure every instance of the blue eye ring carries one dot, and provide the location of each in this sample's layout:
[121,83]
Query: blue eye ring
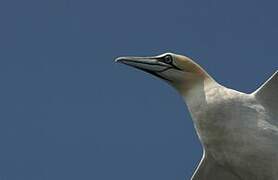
[168,59]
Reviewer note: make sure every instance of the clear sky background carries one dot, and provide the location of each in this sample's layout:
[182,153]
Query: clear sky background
[69,112]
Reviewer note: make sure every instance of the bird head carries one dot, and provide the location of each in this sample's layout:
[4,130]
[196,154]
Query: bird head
[177,70]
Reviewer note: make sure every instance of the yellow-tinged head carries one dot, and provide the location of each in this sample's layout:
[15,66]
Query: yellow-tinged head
[179,71]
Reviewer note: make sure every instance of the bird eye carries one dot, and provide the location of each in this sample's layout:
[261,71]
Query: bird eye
[168,59]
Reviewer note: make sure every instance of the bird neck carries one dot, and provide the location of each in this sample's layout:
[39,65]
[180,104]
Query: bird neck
[197,100]
[196,94]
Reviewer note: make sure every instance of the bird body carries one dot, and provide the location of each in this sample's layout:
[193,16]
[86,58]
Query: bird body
[238,131]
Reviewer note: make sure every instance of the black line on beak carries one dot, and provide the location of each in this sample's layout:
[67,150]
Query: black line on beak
[155,73]
[166,66]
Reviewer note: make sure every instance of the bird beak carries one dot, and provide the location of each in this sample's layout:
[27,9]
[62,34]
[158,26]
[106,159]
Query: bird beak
[151,65]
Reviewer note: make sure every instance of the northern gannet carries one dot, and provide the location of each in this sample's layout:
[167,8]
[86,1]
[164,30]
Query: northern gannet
[238,131]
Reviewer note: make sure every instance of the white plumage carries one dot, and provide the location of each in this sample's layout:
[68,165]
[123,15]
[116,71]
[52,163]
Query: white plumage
[238,131]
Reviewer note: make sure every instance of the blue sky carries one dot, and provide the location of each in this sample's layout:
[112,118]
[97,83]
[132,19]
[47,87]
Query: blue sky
[69,112]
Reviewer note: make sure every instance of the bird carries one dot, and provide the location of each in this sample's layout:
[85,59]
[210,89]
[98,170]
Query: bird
[238,131]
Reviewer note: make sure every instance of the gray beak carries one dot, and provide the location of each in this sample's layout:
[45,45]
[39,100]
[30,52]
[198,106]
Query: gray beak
[152,65]
[145,63]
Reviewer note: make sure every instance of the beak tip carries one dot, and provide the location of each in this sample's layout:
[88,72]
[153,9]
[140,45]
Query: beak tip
[119,59]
